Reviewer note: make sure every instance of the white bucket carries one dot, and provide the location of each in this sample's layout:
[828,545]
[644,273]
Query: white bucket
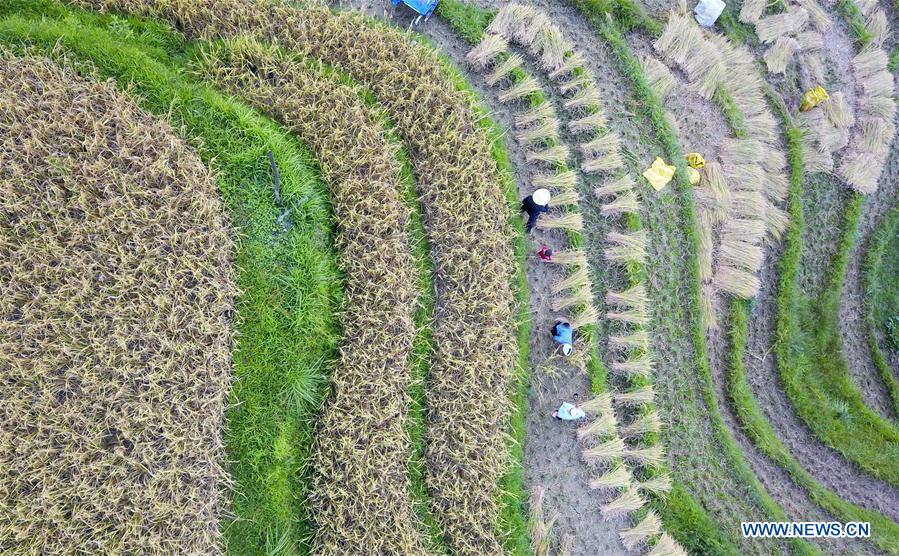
[708,11]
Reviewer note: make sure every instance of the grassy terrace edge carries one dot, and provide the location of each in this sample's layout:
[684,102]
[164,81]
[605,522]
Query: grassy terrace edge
[873,287]
[885,533]
[280,387]
[599,13]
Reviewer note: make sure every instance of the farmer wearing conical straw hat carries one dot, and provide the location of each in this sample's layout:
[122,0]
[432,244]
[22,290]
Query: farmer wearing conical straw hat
[534,205]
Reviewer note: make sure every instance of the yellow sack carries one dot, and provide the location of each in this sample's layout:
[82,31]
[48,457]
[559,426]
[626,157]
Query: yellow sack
[695,160]
[813,98]
[659,174]
[694,175]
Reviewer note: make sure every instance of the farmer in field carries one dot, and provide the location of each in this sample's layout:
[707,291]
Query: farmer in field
[563,335]
[569,412]
[545,254]
[535,205]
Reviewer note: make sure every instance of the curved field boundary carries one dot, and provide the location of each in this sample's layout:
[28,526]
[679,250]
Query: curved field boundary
[885,532]
[288,281]
[873,284]
[473,366]
[692,530]
[360,497]
[116,354]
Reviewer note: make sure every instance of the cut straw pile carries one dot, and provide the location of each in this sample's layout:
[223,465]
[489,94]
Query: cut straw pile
[115,345]
[738,203]
[464,204]
[358,497]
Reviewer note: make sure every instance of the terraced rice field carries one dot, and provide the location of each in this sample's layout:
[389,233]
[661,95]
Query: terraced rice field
[266,288]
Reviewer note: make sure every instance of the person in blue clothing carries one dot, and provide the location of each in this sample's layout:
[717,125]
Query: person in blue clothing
[569,411]
[563,335]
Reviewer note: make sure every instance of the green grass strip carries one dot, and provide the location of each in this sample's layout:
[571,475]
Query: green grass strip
[655,112]
[290,283]
[809,355]
[884,532]
[856,21]
[881,267]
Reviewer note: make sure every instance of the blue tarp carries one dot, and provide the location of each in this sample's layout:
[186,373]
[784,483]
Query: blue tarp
[423,7]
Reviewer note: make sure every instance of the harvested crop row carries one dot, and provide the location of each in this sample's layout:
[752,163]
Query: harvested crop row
[116,336]
[360,497]
[601,153]
[474,358]
[745,180]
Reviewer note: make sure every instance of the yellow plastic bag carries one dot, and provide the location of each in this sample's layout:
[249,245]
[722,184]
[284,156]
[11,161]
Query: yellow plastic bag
[694,175]
[813,98]
[695,160]
[659,174]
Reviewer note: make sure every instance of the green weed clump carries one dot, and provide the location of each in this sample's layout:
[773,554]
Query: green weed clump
[358,498]
[116,352]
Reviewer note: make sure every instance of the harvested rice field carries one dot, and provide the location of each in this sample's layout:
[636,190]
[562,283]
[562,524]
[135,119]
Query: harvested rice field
[544,277]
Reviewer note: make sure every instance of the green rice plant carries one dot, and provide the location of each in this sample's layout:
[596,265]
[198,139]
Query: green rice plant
[571,62]
[557,154]
[629,501]
[486,51]
[605,144]
[593,122]
[584,317]
[603,425]
[540,527]
[667,546]
[605,452]
[614,186]
[565,181]
[543,111]
[604,163]
[820,18]
[648,423]
[626,247]
[773,27]
[635,365]
[566,221]
[637,340]
[659,77]
[504,69]
[657,486]
[616,478]
[545,130]
[779,55]
[639,396]
[649,526]
[315,107]
[585,97]
[126,353]
[625,203]
[520,89]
